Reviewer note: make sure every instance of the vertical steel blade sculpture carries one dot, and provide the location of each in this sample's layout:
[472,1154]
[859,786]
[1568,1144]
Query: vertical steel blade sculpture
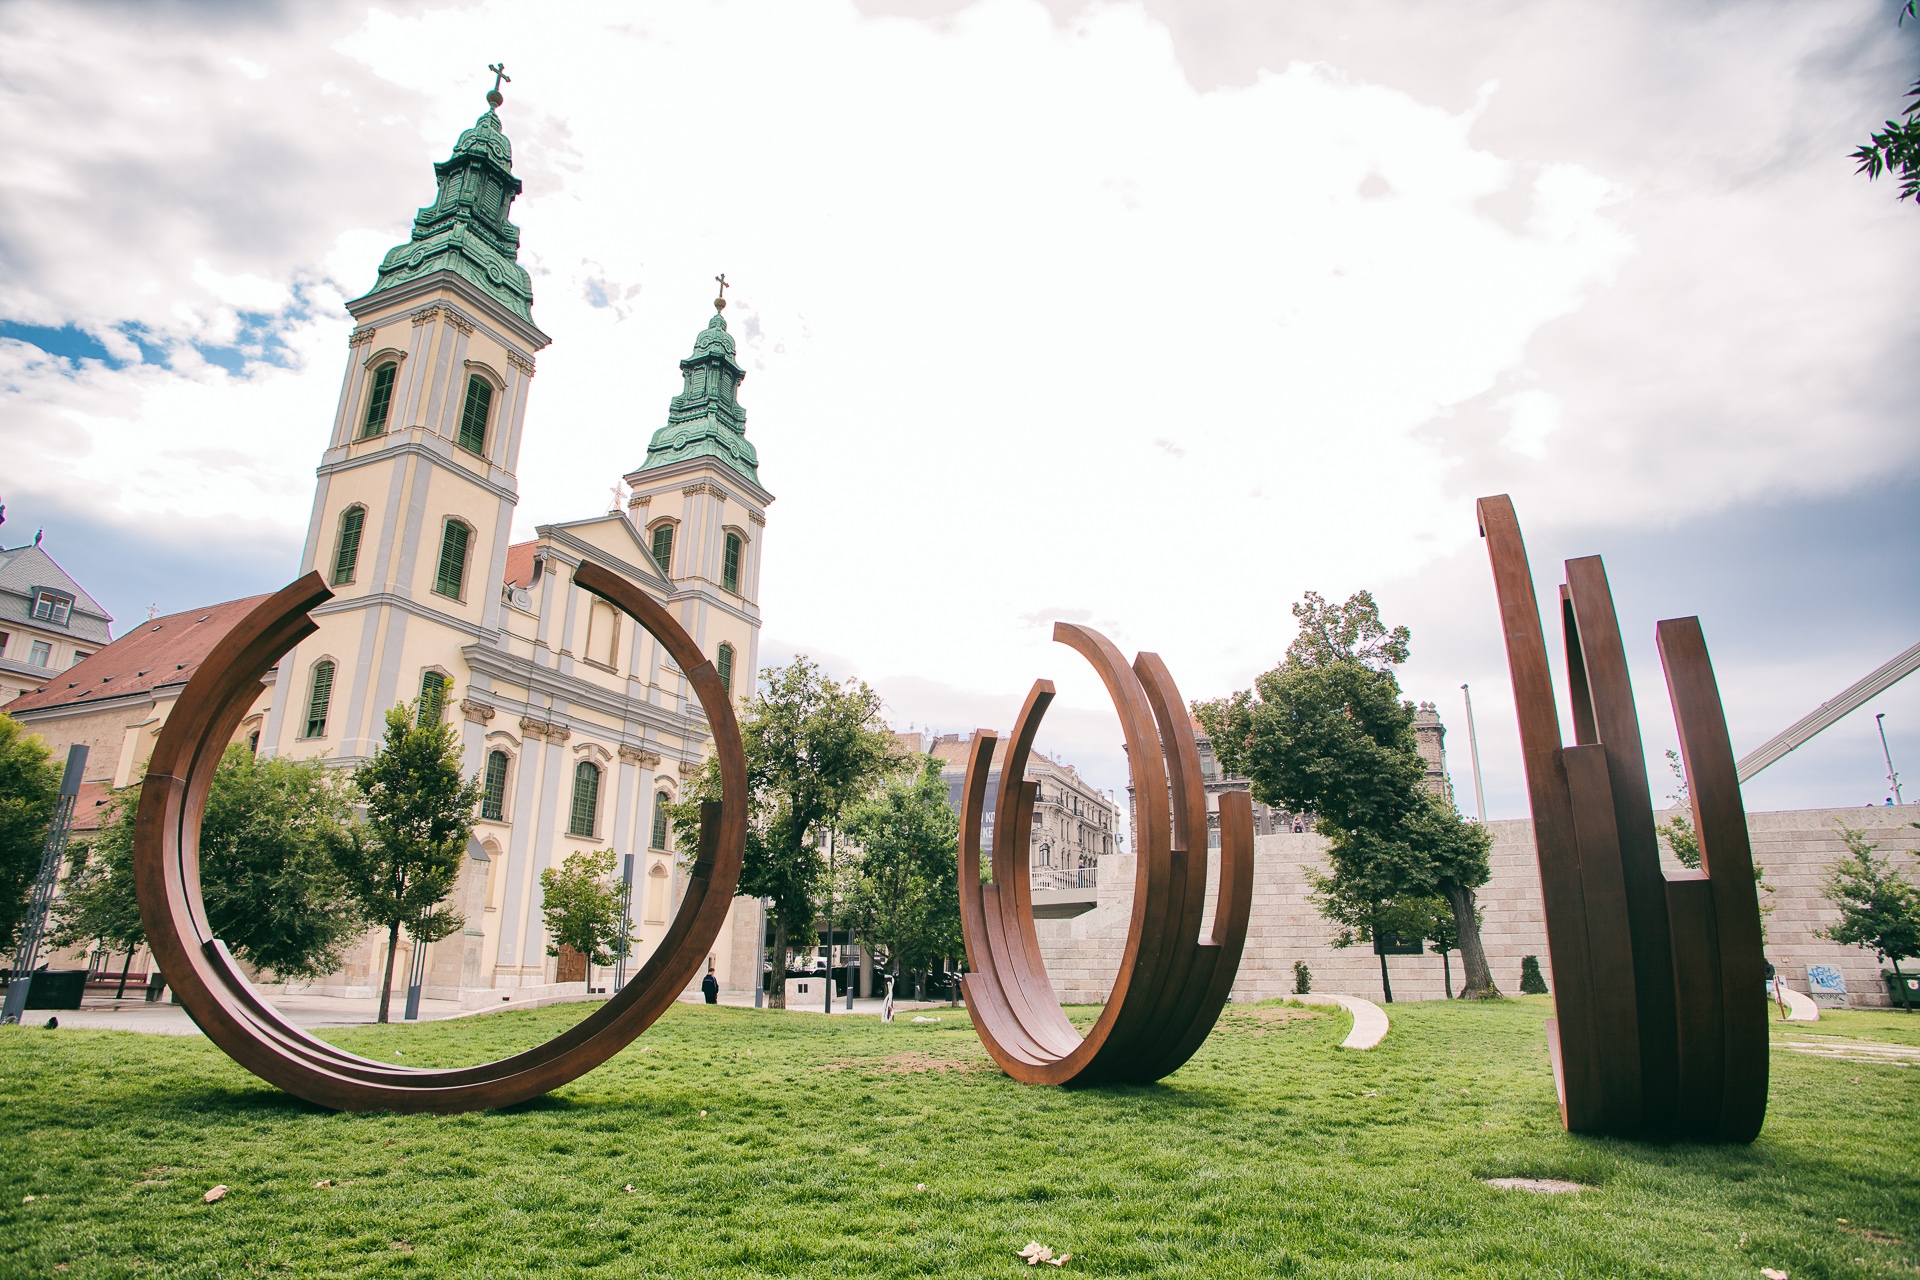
[254,1033]
[1659,979]
[1171,986]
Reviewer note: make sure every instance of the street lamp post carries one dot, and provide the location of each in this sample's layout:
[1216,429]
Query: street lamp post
[1880,723]
[1473,749]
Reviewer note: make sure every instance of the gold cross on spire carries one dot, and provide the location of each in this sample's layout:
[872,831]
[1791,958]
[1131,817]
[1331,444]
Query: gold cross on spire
[499,70]
[720,302]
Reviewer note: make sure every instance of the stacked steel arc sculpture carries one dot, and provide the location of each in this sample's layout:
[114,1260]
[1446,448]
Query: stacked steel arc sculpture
[1171,985]
[1660,982]
[213,990]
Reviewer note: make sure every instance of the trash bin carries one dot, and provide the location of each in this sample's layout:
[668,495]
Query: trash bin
[57,988]
[1903,987]
[155,985]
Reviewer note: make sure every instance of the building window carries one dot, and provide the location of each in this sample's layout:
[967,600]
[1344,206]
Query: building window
[730,565]
[586,799]
[48,607]
[4,637]
[453,559]
[379,400]
[663,547]
[473,419]
[42,653]
[493,792]
[725,666]
[660,802]
[319,698]
[603,635]
[79,656]
[347,552]
[433,697]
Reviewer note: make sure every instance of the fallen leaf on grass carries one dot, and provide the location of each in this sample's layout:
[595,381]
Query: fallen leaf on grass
[324,1182]
[919,1186]
[59,1266]
[703,1113]
[218,1193]
[1770,1274]
[1036,1253]
[28,1199]
[628,1188]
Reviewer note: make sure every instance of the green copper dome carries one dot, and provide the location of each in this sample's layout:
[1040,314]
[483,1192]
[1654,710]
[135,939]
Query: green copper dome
[465,230]
[705,419]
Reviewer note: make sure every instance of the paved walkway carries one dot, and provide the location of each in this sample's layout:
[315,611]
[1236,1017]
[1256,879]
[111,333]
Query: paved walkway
[1369,1019]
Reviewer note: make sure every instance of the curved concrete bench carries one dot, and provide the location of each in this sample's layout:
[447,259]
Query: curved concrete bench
[1800,1007]
[1369,1020]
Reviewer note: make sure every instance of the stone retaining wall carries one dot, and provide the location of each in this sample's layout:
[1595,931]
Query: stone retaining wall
[1795,848]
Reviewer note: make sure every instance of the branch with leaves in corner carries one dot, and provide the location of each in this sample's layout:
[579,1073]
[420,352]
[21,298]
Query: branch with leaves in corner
[1879,907]
[1895,149]
[1683,841]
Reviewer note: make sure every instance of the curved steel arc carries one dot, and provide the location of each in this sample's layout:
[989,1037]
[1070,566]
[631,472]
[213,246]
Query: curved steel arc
[1170,987]
[209,983]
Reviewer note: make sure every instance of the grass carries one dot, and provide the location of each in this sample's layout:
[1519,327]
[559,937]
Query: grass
[1273,1153]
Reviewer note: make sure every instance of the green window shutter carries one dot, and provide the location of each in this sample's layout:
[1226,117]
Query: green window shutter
[473,419]
[725,666]
[730,565]
[663,548]
[433,697]
[453,559]
[352,522]
[660,802]
[586,799]
[493,795]
[320,699]
[379,400]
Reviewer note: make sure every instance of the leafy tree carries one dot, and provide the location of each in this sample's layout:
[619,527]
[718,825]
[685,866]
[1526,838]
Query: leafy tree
[581,906]
[29,787]
[1896,148]
[904,891]
[1684,842]
[813,749]
[1327,732]
[402,861]
[1302,978]
[1879,908]
[267,877]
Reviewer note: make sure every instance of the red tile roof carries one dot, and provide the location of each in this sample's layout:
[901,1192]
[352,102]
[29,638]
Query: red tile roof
[165,651]
[93,806]
[520,558]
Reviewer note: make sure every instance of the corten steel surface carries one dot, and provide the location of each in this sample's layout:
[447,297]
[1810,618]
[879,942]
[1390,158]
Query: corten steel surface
[252,1032]
[1660,983]
[1171,985]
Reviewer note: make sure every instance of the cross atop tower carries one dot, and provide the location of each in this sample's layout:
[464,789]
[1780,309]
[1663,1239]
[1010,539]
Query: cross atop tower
[720,302]
[499,70]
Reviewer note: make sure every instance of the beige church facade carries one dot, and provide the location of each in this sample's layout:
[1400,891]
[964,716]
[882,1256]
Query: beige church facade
[576,723]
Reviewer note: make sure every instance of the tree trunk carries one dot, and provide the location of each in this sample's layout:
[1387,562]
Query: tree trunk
[1386,987]
[122,991]
[777,998]
[1473,957]
[1446,973]
[386,983]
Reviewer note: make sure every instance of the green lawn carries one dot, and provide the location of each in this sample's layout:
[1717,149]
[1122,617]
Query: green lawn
[849,1148]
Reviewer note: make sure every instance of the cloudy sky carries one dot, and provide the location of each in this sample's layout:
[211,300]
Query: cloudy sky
[1148,315]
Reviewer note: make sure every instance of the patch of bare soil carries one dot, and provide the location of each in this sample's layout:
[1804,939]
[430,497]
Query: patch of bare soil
[908,1063]
[1263,1019]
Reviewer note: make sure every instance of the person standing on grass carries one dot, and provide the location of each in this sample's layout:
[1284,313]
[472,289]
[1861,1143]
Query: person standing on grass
[710,985]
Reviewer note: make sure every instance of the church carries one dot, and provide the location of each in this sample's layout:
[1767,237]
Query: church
[576,722]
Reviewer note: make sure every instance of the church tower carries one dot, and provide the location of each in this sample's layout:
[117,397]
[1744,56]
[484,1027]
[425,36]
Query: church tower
[416,488]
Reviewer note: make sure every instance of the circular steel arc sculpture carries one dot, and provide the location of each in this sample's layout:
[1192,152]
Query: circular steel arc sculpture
[1171,985]
[209,983]
[1660,1028]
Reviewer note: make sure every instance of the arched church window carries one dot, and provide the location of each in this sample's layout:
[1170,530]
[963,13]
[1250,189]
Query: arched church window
[453,559]
[493,791]
[586,799]
[433,697]
[663,546]
[379,400]
[724,665]
[730,564]
[346,554]
[660,802]
[473,418]
[319,699]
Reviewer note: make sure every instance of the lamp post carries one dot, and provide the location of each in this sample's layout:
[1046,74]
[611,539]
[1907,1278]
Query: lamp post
[1879,721]
[1473,750]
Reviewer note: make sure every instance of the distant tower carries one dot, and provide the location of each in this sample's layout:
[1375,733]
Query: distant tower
[1430,736]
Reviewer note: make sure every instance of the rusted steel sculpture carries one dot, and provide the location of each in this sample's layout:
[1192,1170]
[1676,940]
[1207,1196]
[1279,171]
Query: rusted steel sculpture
[252,1032]
[1661,1014]
[1171,985]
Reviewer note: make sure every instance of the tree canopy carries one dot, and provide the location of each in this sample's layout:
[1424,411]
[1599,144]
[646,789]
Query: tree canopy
[1895,149]
[904,888]
[581,907]
[29,786]
[1879,907]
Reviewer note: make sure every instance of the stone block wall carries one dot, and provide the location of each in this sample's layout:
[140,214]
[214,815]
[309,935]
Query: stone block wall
[1795,848]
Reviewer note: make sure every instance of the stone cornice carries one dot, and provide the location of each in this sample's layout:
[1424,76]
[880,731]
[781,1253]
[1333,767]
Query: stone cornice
[661,479]
[500,666]
[518,333]
[443,455]
[391,600]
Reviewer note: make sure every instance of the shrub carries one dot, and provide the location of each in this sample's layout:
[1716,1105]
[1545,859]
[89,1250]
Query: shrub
[1531,983]
[1302,978]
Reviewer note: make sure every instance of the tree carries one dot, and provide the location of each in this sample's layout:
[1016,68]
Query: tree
[813,748]
[402,861]
[267,876]
[1531,982]
[1896,148]
[1684,842]
[1326,732]
[581,907]
[29,788]
[904,887]
[1879,908]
